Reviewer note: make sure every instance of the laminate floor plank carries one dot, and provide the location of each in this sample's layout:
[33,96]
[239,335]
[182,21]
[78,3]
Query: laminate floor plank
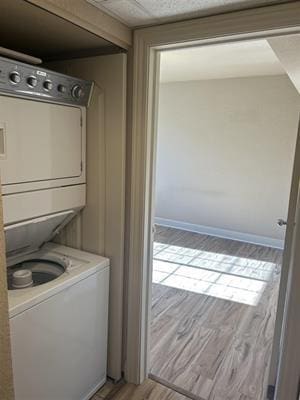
[149,390]
[211,347]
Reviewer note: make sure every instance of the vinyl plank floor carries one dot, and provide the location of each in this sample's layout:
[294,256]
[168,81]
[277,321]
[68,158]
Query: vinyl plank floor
[210,347]
[149,390]
[108,391]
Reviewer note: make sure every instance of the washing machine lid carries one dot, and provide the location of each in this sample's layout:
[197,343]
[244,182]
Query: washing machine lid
[28,236]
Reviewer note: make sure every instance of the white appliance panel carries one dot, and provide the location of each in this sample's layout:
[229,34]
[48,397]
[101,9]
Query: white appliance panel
[39,141]
[28,236]
[28,205]
[59,346]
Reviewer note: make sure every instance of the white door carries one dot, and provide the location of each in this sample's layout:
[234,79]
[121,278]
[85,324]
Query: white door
[286,263]
[39,134]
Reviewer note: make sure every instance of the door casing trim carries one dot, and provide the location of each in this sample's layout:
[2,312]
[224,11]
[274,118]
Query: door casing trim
[257,23]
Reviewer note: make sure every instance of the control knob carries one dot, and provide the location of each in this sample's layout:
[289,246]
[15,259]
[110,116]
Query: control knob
[48,85]
[15,77]
[77,92]
[31,81]
[61,88]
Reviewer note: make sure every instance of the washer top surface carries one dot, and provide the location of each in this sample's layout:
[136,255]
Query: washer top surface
[34,272]
[75,265]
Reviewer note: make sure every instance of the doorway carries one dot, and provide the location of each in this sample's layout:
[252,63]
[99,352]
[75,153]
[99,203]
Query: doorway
[226,114]
[148,43]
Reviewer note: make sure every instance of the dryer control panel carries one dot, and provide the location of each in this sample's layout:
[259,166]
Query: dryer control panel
[24,80]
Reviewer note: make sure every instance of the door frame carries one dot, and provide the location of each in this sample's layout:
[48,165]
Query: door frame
[259,23]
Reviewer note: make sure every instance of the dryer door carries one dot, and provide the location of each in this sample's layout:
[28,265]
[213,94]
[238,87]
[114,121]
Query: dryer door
[39,141]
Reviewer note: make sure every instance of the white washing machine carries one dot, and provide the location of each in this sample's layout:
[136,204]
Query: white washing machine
[58,296]
[59,324]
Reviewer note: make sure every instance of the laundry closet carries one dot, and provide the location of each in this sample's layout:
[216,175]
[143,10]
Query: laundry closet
[87,213]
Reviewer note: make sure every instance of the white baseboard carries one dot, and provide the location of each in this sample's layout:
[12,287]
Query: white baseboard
[222,233]
[95,389]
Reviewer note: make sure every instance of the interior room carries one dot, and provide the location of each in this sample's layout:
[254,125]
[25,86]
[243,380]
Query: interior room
[149,167]
[226,115]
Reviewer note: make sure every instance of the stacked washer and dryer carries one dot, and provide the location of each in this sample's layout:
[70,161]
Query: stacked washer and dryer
[58,296]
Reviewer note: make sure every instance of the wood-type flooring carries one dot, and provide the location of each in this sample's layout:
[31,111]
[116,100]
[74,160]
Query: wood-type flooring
[210,347]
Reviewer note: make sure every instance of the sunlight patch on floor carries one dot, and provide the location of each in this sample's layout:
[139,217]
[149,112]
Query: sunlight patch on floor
[238,279]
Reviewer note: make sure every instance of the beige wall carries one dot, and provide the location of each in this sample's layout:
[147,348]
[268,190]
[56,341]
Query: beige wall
[101,226]
[225,153]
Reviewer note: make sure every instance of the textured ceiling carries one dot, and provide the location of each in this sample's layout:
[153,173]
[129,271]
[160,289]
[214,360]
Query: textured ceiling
[148,12]
[253,58]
